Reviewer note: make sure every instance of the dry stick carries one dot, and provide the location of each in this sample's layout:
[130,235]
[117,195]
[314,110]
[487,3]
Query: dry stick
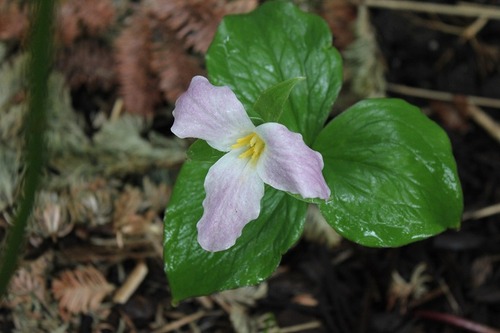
[181,322]
[441,95]
[131,284]
[456,321]
[485,121]
[483,212]
[478,115]
[302,327]
[490,12]
[117,109]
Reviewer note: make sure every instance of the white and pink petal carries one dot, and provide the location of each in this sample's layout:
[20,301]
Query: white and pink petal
[288,164]
[233,194]
[210,113]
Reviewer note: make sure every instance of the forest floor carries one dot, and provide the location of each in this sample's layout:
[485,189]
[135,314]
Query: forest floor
[93,260]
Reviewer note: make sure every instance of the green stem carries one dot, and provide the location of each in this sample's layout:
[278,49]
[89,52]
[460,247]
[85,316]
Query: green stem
[42,14]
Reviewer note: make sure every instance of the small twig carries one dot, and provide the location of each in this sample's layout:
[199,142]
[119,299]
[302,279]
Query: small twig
[472,30]
[462,9]
[441,95]
[181,322]
[483,212]
[485,121]
[449,296]
[456,321]
[117,110]
[301,327]
[131,284]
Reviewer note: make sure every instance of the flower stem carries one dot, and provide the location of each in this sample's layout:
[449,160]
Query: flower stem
[39,66]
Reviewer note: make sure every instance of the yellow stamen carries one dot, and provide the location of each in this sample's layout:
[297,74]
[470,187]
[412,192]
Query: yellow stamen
[254,143]
[241,142]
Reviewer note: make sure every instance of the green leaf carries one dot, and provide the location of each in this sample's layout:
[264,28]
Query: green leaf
[277,42]
[192,271]
[392,174]
[200,151]
[270,103]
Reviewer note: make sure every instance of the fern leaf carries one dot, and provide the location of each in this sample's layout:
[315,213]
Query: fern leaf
[13,20]
[138,85]
[90,18]
[81,290]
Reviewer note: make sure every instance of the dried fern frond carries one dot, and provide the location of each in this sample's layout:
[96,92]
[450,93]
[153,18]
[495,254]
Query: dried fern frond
[88,63]
[137,82]
[195,21]
[81,290]
[28,283]
[13,20]
[153,52]
[90,18]
[175,68]
[24,285]
[340,16]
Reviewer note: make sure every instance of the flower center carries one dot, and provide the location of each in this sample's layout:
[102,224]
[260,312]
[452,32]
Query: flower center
[254,143]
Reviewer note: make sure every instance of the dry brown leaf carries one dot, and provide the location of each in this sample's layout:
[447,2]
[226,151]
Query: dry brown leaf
[80,291]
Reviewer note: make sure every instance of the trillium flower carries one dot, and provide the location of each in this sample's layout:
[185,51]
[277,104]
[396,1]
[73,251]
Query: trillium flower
[234,185]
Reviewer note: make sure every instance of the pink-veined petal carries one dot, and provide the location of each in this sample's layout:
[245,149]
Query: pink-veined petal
[288,164]
[210,113]
[233,193]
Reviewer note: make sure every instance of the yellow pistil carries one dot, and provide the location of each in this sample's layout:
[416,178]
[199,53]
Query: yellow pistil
[254,143]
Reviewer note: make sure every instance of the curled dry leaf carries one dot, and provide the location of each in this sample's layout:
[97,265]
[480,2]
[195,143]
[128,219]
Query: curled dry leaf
[91,202]
[156,196]
[80,291]
[50,216]
[130,217]
[24,285]
[28,283]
